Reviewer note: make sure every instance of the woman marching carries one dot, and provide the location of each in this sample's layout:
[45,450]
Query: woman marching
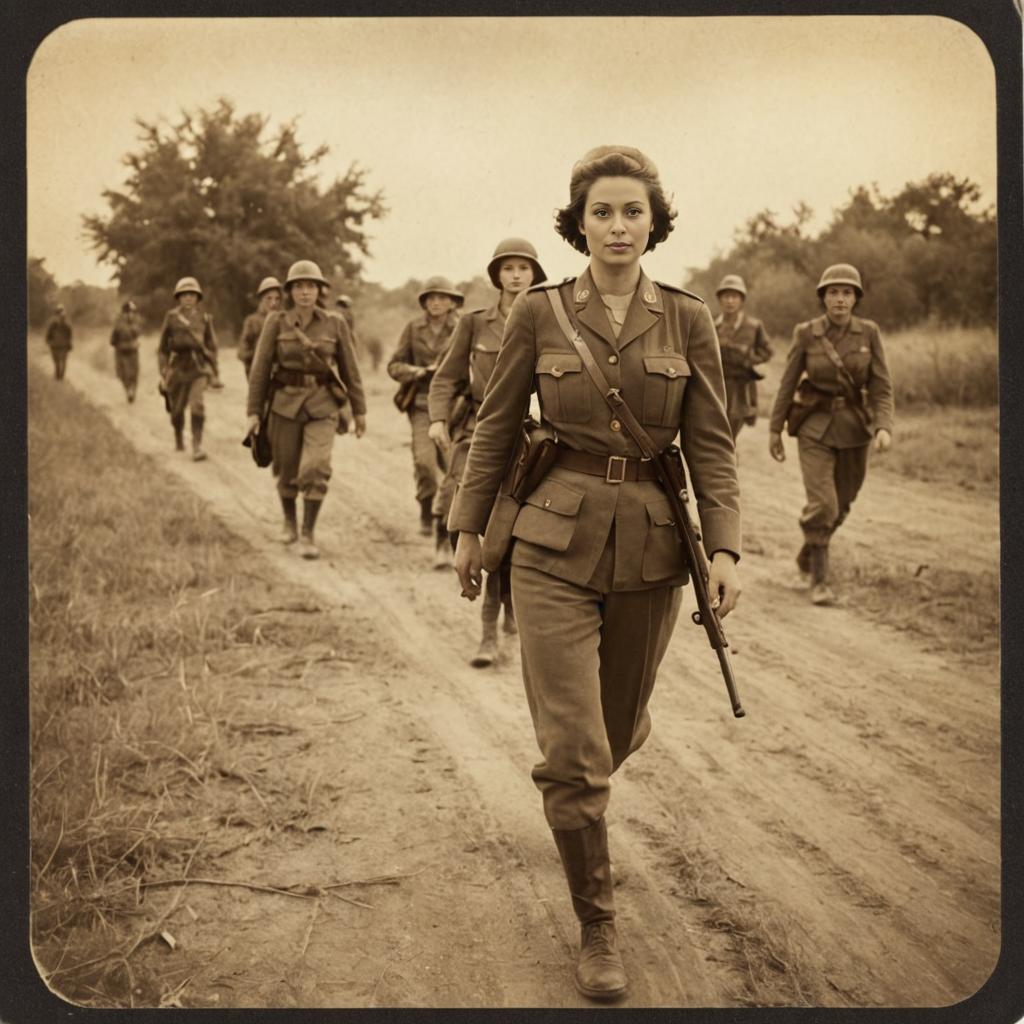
[305,354]
[125,339]
[840,357]
[268,300]
[187,356]
[455,396]
[596,564]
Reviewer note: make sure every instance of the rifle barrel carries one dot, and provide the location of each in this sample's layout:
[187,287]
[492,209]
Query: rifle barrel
[730,682]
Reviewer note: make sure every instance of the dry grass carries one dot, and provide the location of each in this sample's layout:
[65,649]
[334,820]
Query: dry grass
[944,366]
[150,626]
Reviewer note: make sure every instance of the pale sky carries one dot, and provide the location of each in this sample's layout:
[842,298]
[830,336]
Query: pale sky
[470,126]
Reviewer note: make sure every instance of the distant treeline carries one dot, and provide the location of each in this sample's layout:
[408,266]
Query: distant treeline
[87,305]
[927,253]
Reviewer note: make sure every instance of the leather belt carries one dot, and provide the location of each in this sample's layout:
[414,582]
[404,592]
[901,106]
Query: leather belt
[616,469]
[296,378]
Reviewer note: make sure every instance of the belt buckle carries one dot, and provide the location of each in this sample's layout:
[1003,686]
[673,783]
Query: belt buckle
[608,471]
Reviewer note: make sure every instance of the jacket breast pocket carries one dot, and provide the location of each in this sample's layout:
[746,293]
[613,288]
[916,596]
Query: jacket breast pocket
[665,380]
[289,349]
[858,363]
[564,388]
[663,551]
[549,516]
[481,361]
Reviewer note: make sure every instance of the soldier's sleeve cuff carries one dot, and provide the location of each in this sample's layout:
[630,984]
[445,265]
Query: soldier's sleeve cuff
[721,531]
[469,512]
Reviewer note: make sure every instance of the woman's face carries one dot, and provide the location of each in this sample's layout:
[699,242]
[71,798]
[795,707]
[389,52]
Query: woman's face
[617,221]
[271,300]
[730,301]
[515,274]
[437,305]
[189,299]
[305,293]
[839,302]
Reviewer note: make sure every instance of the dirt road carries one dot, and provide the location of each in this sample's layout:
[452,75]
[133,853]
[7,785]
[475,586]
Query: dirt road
[837,847]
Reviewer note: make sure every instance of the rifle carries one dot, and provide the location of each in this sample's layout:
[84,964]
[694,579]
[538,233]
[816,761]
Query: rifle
[668,464]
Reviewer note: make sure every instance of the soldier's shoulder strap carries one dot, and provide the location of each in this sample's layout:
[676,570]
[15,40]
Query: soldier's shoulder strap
[548,285]
[679,291]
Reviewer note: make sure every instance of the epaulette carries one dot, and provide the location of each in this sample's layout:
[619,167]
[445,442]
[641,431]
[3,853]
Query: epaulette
[545,285]
[482,309]
[676,288]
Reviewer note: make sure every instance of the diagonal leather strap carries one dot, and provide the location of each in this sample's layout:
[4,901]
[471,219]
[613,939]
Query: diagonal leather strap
[611,395]
[847,381]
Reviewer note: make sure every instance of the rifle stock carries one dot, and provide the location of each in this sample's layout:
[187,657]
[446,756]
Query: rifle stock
[673,479]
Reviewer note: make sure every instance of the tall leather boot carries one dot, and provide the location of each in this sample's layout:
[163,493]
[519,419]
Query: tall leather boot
[803,564]
[290,530]
[821,592]
[426,516]
[310,510]
[584,853]
[196,424]
[178,422]
[442,545]
[487,653]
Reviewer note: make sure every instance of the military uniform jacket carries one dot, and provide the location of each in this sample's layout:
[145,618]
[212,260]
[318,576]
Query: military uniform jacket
[252,327]
[744,345]
[125,334]
[281,347]
[667,366]
[58,334]
[419,347]
[860,348]
[468,363]
[188,345]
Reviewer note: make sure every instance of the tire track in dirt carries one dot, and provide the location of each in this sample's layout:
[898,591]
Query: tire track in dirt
[858,798]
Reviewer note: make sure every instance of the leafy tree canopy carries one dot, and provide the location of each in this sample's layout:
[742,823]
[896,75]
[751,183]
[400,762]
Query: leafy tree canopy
[217,197]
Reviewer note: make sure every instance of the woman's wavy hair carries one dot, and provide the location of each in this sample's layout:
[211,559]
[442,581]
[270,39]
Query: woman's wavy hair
[613,162]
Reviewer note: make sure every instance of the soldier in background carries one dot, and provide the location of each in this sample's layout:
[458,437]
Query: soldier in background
[744,345]
[58,337]
[420,349]
[842,360]
[125,339]
[343,303]
[455,395]
[268,297]
[187,357]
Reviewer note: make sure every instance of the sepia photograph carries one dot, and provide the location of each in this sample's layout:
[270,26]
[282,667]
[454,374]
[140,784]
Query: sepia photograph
[513,512]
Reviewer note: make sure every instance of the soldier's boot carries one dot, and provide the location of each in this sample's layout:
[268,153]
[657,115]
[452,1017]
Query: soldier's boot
[196,424]
[310,510]
[130,392]
[803,564]
[821,592]
[442,545]
[584,852]
[426,516]
[487,654]
[290,530]
[178,422]
[508,625]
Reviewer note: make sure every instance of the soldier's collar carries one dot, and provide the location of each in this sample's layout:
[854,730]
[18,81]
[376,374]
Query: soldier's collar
[646,290]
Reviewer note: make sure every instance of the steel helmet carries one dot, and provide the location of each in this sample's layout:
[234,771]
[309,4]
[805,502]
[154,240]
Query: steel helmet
[441,286]
[343,300]
[188,284]
[268,284]
[841,273]
[731,283]
[304,270]
[514,247]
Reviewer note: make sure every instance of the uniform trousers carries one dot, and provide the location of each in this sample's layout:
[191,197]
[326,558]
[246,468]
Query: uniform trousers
[740,402]
[60,362]
[187,394]
[428,463]
[126,364]
[301,449]
[590,656]
[832,478]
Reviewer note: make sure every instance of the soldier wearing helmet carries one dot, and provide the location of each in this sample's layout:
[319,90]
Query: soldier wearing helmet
[455,395]
[744,345]
[343,305]
[305,366]
[58,338]
[420,349]
[836,396]
[187,357]
[125,339]
[268,298]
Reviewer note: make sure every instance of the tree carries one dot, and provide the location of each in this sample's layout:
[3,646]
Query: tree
[215,198]
[42,292]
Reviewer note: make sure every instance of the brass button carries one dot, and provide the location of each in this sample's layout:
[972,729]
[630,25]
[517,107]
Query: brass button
[671,371]
[615,425]
[613,360]
[547,503]
[648,296]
